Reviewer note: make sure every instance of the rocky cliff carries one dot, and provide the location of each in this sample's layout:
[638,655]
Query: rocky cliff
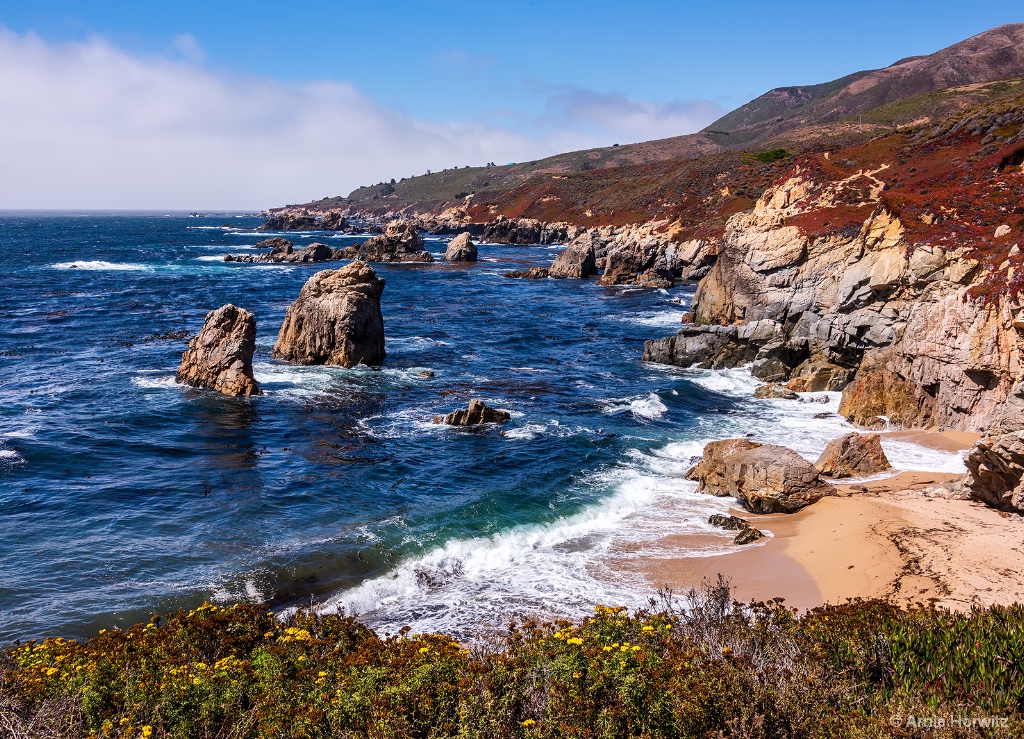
[896,262]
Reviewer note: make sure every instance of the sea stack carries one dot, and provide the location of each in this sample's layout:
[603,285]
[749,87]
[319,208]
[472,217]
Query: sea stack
[335,320]
[220,357]
[476,414]
[461,249]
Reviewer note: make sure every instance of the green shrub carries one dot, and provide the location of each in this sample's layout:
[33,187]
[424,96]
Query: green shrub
[702,666]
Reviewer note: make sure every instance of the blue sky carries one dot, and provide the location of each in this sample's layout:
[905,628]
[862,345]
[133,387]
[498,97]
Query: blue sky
[459,82]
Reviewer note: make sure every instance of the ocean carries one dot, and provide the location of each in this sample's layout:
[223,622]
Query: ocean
[123,494]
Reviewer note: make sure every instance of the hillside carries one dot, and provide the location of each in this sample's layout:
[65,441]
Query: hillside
[630,179]
[897,94]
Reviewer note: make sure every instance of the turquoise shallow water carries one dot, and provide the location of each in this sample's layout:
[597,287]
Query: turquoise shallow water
[123,494]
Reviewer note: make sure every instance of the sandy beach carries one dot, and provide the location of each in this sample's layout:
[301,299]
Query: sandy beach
[909,537]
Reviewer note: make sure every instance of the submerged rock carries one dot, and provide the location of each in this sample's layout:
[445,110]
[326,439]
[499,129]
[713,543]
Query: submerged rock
[220,356]
[533,273]
[335,320]
[853,455]
[461,249]
[767,478]
[477,413]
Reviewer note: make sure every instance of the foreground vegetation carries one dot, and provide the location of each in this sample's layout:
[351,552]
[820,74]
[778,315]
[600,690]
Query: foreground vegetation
[703,667]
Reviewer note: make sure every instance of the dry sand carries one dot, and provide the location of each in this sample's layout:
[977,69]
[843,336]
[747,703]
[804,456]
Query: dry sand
[908,537]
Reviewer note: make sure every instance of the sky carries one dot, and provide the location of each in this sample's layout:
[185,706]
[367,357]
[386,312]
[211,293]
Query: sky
[110,104]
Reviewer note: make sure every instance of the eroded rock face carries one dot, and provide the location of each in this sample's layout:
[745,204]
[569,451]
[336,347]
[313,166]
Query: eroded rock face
[853,455]
[477,413]
[812,310]
[303,220]
[995,464]
[578,260]
[400,242]
[461,249]
[765,477]
[220,356]
[504,230]
[335,320]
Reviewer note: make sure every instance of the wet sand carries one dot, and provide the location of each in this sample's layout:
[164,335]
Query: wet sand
[909,537]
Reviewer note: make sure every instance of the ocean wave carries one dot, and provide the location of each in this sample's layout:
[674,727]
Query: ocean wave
[559,569]
[101,266]
[648,406]
[413,343]
[669,318]
[154,382]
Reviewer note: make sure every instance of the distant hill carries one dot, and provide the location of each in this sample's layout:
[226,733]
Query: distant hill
[991,56]
[854,107]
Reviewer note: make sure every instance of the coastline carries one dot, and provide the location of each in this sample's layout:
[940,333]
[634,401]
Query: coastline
[908,537]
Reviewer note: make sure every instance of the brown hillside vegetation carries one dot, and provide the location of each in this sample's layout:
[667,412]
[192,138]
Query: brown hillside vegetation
[913,91]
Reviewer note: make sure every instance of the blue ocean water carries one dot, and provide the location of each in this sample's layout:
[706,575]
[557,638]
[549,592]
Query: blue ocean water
[123,494]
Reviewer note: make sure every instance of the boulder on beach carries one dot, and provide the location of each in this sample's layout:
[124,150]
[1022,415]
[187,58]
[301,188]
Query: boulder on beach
[461,249]
[748,536]
[335,320]
[853,455]
[220,355]
[477,413]
[729,523]
[995,464]
[765,477]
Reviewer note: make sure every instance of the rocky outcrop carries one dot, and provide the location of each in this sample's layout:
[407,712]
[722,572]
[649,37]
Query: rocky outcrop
[578,260]
[649,254]
[477,413]
[504,230]
[220,355]
[774,391]
[461,249]
[765,477]
[304,220]
[335,320]
[853,455]
[855,301]
[995,464]
[283,252]
[400,242]
[747,533]
[533,273]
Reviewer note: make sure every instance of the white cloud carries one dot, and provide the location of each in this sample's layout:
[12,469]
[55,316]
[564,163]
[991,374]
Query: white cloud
[634,120]
[87,125]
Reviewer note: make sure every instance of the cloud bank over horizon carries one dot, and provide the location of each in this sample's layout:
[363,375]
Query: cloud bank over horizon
[89,125]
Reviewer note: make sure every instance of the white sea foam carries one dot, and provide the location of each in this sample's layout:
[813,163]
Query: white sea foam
[560,568]
[413,343]
[9,455]
[668,318]
[210,259]
[101,266]
[647,406]
[156,382]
